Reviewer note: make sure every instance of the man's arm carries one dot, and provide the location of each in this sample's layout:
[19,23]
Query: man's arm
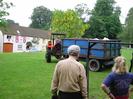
[55,81]
[83,83]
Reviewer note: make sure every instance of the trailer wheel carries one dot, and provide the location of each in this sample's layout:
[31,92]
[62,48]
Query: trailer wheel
[48,57]
[94,65]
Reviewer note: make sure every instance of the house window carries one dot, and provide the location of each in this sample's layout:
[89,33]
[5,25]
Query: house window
[8,37]
[19,47]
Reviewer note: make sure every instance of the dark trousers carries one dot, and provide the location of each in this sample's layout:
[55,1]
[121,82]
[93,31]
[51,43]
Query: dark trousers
[69,95]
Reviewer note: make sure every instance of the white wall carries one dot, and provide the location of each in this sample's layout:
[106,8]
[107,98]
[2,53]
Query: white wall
[44,43]
[20,46]
[19,43]
[8,40]
[1,42]
[41,46]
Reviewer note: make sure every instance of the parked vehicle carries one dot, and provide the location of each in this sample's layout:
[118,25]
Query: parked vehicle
[99,53]
[53,47]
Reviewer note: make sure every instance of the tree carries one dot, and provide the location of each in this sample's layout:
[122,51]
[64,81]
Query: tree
[68,22]
[41,18]
[128,28]
[9,21]
[82,10]
[3,7]
[104,21]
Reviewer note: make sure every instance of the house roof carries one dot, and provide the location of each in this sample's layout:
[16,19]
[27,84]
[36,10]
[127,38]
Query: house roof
[14,29]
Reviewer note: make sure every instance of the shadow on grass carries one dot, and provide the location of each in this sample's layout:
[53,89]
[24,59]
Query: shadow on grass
[97,97]
[52,60]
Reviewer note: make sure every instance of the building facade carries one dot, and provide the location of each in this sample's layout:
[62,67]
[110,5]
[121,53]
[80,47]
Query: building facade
[23,39]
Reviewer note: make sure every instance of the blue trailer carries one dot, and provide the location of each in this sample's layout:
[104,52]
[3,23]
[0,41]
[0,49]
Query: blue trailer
[100,53]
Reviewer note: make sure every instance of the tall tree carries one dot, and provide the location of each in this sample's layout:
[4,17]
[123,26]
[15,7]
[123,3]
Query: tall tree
[128,28]
[104,21]
[68,22]
[3,12]
[41,18]
[83,11]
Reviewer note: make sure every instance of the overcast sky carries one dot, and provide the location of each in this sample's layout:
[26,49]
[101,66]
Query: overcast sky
[23,9]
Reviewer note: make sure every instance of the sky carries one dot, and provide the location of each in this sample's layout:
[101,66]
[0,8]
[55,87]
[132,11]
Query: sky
[22,10]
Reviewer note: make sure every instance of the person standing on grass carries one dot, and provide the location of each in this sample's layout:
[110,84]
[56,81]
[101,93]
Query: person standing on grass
[117,84]
[69,79]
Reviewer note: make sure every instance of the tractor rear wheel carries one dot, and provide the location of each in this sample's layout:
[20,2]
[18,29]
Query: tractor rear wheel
[94,65]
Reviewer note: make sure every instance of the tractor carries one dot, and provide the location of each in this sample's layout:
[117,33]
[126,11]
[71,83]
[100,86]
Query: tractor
[97,53]
[53,47]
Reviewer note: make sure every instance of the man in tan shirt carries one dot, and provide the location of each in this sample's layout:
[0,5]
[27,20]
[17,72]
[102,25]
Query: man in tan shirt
[69,79]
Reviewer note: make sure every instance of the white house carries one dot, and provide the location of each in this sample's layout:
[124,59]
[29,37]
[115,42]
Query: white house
[16,38]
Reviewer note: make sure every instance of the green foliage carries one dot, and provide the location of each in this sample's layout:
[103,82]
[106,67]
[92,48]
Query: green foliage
[3,7]
[104,7]
[41,18]
[3,22]
[104,21]
[128,28]
[68,22]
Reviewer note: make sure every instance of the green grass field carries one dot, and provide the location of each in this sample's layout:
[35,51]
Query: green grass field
[28,76]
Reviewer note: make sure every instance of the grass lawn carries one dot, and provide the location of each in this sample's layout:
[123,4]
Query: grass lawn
[28,76]
[25,76]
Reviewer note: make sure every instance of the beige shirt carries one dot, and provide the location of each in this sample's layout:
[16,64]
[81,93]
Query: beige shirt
[69,76]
